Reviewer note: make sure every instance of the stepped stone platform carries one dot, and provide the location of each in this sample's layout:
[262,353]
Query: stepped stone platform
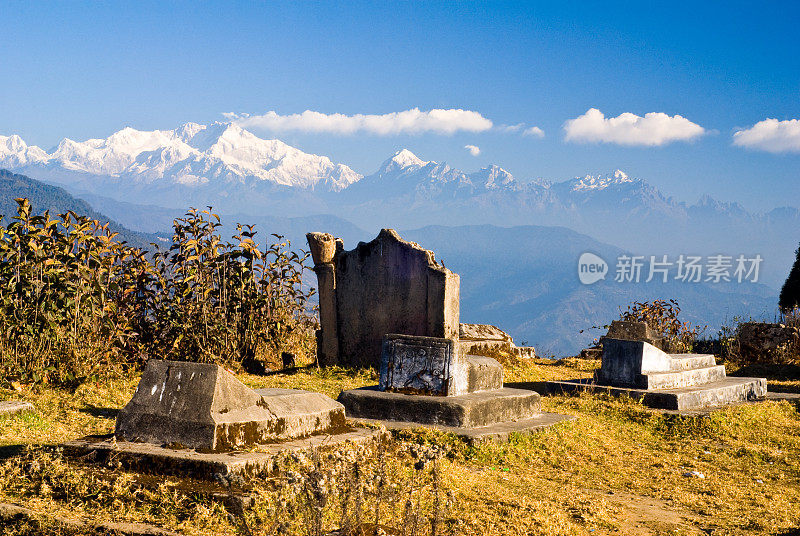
[426,383]
[198,420]
[677,382]
[466,411]
[156,459]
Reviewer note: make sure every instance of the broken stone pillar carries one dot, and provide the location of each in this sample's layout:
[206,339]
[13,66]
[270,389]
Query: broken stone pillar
[323,250]
[388,285]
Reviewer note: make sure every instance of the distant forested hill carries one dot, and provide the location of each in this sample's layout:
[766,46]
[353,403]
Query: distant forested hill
[44,197]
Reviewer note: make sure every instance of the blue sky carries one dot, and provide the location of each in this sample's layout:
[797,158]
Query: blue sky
[84,70]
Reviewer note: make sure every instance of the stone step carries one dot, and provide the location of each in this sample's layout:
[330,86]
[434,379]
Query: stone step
[729,390]
[691,361]
[684,378]
[469,410]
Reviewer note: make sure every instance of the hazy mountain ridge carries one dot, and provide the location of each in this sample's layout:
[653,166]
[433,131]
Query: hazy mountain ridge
[507,281]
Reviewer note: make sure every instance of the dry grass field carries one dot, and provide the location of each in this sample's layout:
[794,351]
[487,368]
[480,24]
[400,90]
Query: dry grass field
[619,468]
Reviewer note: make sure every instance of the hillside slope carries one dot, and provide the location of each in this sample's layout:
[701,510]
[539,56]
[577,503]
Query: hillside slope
[525,280]
[45,197]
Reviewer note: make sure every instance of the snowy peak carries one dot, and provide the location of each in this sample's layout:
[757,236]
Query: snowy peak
[192,154]
[14,152]
[493,178]
[601,182]
[402,159]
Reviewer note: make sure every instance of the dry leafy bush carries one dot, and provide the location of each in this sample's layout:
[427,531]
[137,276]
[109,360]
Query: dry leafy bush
[63,297]
[209,300]
[75,302]
[381,487]
[662,317]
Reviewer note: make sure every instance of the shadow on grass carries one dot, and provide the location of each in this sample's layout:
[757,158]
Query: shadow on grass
[9,451]
[772,372]
[790,532]
[95,411]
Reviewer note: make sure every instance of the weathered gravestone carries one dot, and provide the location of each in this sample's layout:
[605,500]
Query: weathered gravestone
[388,285]
[419,365]
[389,304]
[626,330]
[203,406]
[425,380]
[634,331]
[666,381]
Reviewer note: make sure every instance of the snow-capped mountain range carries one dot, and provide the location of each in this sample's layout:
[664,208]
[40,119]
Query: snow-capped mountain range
[237,172]
[224,154]
[192,155]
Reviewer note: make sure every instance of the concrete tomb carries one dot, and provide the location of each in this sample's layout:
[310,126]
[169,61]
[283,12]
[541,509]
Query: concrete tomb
[666,381]
[424,380]
[203,406]
[389,304]
[474,338]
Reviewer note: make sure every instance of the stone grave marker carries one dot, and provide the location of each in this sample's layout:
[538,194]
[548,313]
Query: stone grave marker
[681,382]
[203,406]
[389,303]
[388,285]
[418,365]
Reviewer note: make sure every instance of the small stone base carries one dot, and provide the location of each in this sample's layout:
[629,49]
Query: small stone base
[730,390]
[470,410]
[494,432]
[148,458]
[12,407]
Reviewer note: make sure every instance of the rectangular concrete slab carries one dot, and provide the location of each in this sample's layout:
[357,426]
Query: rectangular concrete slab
[148,458]
[625,362]
[730,390]
[482,373]
[468,410]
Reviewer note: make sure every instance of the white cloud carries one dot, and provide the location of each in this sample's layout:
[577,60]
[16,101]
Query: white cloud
[653,129]
[536,132]
[511,128]
[412,121]
[473,149]
[771,135]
